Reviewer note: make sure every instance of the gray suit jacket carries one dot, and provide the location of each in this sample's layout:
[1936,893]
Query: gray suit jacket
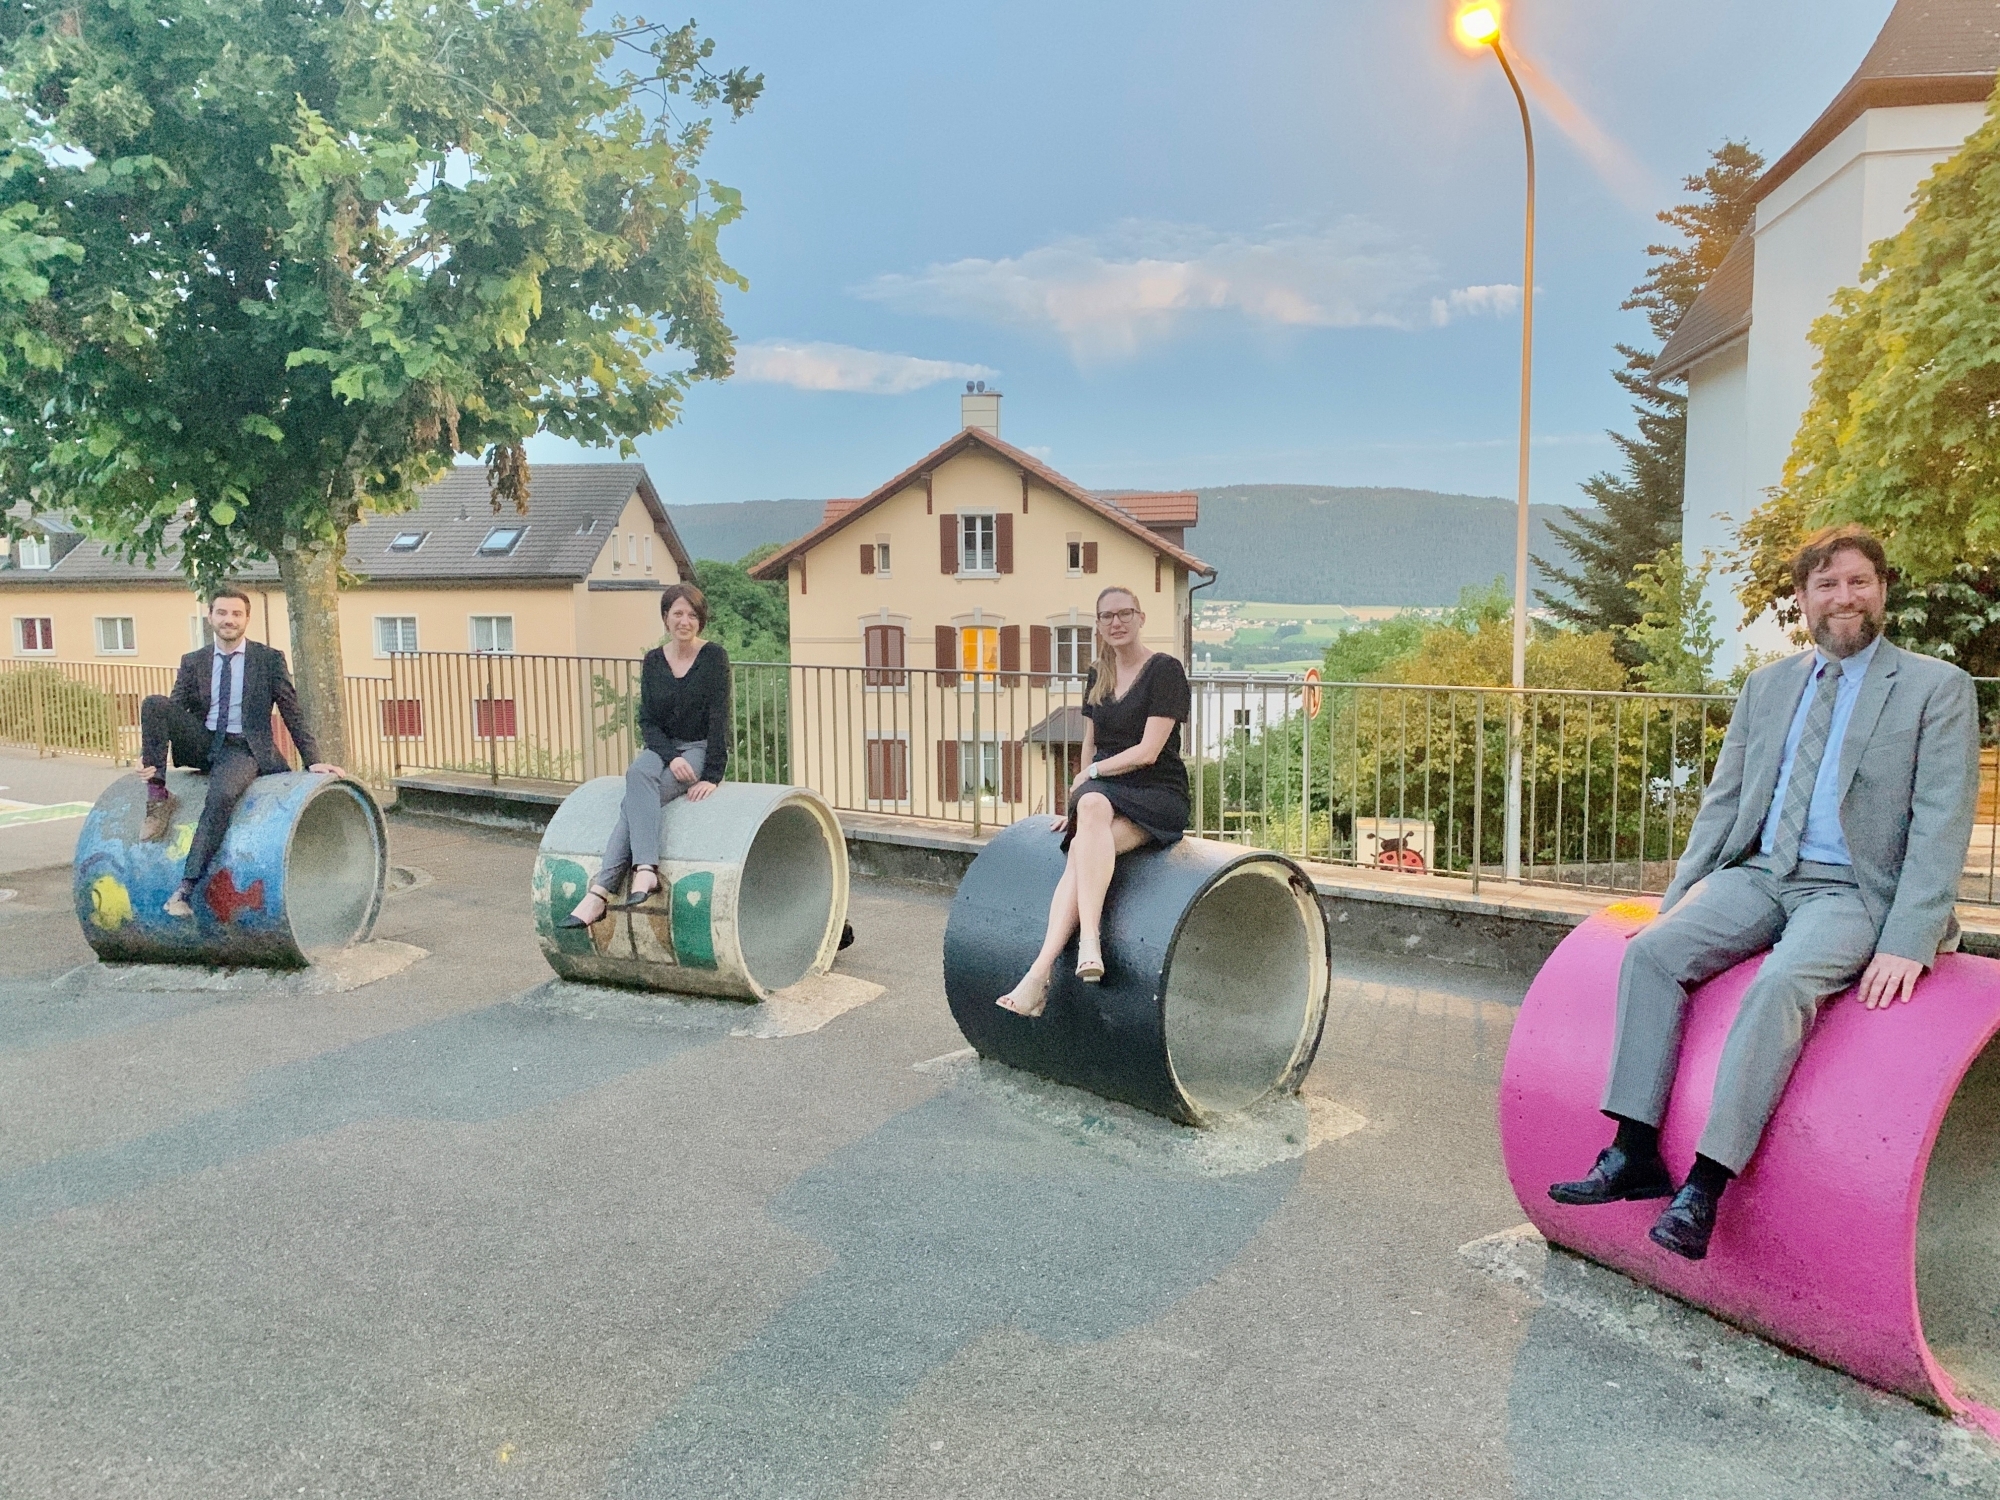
[1909,782]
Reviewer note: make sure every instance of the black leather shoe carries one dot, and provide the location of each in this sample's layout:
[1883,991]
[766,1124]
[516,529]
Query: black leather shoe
[1686,1223]
[1615,1178]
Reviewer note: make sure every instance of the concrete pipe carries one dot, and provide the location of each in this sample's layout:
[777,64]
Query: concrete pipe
[1216,973]
[1866,1230]
[302,869]
[754,892]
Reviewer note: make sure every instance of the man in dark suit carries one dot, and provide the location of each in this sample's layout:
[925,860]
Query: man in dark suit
[1833,833]
[218,720]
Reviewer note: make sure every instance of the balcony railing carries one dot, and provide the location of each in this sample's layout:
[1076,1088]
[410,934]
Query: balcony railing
[1408,779]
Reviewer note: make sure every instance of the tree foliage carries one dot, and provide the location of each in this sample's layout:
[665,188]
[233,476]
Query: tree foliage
[748,617]
[266,264]
[1674,636]
[1638,510]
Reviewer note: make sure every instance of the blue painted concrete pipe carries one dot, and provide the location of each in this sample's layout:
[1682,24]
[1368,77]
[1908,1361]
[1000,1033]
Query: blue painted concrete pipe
[302,869]
[1217,967]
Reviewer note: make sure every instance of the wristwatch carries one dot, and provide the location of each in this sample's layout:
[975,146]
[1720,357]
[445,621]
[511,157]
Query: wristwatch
[1091,770]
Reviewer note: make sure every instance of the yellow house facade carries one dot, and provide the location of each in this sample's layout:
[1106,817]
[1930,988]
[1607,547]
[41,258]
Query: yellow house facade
[941,627]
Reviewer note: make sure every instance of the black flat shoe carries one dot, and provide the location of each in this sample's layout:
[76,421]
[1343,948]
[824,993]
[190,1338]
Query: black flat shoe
[574,921]
[846,935]
[1686,1223]
[1616,1178]
[639,898]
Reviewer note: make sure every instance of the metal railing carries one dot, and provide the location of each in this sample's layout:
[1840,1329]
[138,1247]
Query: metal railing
[1400,778]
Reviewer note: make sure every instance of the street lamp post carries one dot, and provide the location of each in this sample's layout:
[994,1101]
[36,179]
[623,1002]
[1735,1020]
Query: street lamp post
[1478,25]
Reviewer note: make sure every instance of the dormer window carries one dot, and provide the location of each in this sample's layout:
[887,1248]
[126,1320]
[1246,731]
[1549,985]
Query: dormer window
[502,540]
[408,541]
[32,552]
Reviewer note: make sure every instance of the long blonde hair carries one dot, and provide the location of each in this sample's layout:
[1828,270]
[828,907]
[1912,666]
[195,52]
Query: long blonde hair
[1104,668]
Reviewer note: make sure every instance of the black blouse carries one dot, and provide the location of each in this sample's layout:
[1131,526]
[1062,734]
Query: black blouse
[1160,691]
[675,710]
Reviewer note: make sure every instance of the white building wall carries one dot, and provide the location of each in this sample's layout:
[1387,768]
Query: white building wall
[1813,236]
[1715,494]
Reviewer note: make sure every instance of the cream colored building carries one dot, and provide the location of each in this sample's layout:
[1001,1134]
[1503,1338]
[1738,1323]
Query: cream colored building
[579,575]
[942,625]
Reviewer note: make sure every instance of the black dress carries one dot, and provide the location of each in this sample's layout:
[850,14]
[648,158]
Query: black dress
[1154,797]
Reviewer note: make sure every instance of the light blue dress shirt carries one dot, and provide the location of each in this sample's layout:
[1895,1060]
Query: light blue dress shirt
[235,689]
[1822,842]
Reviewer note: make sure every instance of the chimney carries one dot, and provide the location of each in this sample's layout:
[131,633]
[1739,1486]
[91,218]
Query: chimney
[979,407]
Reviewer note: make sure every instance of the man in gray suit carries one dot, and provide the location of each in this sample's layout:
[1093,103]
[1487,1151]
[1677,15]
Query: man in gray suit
[1833,833]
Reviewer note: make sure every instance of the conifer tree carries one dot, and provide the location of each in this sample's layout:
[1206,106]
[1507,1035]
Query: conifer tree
[1638,509]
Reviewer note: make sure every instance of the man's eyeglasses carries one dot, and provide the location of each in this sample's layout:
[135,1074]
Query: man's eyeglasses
[1117,616]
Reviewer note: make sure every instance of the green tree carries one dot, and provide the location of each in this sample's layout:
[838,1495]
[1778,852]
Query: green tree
[1903,430]
[1638,510]
[268,264]
[1674,637]
[1358,654]
[750,618]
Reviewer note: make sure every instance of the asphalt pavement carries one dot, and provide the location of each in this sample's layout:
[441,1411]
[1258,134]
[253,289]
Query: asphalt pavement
[465,1232]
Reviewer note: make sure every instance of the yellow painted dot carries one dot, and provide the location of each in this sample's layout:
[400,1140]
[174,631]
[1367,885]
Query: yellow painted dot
[110,903]
[1630,911]
[505,1455]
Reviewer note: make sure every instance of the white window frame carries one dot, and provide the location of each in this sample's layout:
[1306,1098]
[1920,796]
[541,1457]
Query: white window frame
[200,631]
[128,636]
[21,646]
[1081,648]
[32,554]
[986,753]
[382,647]
[473,623]
[881,555]
[978,530]
[1073,554]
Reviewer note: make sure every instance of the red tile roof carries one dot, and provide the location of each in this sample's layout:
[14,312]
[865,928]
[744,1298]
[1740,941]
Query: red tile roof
[1162,508]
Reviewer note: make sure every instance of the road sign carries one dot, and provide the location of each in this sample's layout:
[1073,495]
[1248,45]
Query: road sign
[1312,694]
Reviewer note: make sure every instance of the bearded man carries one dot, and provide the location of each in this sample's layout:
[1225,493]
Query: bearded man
[1833,833]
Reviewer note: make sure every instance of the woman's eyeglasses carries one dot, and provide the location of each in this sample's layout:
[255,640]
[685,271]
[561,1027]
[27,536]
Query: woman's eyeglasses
[1117,616]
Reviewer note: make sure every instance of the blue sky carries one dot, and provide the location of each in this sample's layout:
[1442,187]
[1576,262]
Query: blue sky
[1202,243]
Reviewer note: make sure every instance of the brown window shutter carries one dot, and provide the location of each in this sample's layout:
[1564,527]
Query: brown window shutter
[1003,541]
[1156,572]
[947,656]
[1010,771]
[948,542]
[1090,557]
[1010,654]
[949,789]
[868,557]
[1041,649]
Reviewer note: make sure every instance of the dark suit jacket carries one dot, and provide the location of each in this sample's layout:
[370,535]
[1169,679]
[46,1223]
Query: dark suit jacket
[266,685]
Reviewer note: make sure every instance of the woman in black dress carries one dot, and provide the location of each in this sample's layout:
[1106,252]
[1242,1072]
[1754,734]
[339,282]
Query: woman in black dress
[1132,791]
[684,720]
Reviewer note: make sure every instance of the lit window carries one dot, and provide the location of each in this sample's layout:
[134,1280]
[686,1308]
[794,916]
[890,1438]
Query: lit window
[502,540]
[32,552]
[408,541]
[977,551]
[35,637]
[1072,647]
[979,648]
[395,635]
[116,636]
[493,633]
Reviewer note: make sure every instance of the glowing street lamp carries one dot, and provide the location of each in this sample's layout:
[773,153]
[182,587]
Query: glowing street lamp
[1478,25]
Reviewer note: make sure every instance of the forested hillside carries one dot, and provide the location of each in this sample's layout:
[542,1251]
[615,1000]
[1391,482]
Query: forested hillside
[1319,544]
[1283,543]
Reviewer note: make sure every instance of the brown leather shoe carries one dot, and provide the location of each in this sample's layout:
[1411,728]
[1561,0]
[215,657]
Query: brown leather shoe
[159,817]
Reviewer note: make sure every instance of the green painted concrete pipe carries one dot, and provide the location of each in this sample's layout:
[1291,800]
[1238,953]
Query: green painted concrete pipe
[754,892]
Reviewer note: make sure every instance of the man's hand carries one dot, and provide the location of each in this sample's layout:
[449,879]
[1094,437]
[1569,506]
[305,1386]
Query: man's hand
[147,773]
[1888,978]
[684,773]
[700,789]
[324,768]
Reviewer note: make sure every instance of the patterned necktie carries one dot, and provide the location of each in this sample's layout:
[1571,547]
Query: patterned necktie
[222,711]
[1805,773]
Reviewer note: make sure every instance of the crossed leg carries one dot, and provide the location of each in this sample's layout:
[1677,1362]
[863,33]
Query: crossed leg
[1078,905]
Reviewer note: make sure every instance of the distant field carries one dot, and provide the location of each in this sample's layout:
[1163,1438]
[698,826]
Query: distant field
[1251,610]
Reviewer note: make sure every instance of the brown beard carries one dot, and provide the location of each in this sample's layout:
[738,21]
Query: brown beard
[1869,628]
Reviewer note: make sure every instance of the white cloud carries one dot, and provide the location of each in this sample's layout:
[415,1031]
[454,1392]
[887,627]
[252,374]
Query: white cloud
[1109,295]
[842,367]
[1476,301]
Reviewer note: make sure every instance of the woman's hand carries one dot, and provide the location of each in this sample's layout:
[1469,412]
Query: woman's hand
[684,773]
[1081,780]
[700,789]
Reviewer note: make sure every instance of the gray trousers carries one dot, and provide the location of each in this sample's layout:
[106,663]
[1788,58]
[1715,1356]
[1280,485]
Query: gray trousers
[1820,937]
[649,786]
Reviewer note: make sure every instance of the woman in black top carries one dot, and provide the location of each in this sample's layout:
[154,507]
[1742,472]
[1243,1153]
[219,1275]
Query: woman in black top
[684,720]
[1132,791]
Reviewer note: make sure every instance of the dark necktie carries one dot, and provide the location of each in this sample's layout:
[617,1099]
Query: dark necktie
[222,711]
[1805,773]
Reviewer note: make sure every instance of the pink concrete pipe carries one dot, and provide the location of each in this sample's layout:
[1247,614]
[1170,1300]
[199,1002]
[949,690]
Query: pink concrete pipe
[1817,1245]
